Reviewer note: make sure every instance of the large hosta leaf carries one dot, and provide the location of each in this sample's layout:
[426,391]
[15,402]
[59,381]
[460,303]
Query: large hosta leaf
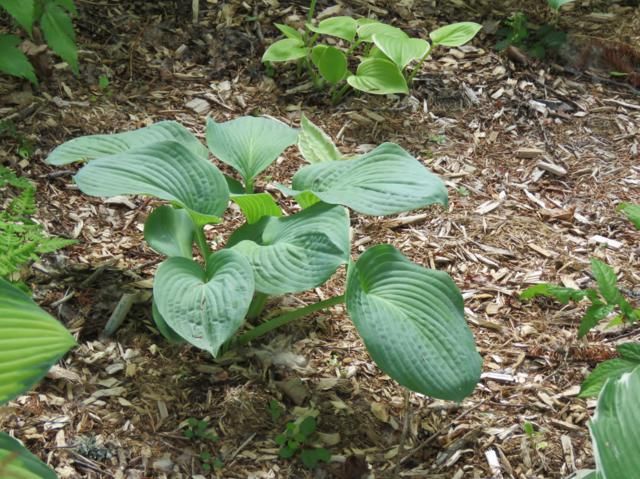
[18,463]
[285,50]
[31,341]
[386,180]
[367,29]
[315,145]
[341,27]
[170,231]
[166,170]
[401,51]
[615,428]
[204,307]
[256,205]
[249,144]
[455,34]
[378,76]
[295,253]
[91,147]
[412,321]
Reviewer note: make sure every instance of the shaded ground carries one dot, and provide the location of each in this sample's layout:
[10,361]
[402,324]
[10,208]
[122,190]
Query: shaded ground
[535,163]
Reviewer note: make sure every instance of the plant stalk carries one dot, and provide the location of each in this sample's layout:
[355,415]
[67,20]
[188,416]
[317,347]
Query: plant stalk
[248,188]
[338,94]
[419,66]
[287,318]
[312,10]
[203,246]
[257,305]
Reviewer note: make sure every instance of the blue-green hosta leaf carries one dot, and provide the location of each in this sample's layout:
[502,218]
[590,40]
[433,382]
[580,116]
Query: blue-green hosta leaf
[13,61]
[204,307]
[455,34]
[23,11]
[607,281]
[378,76]
[295,253]
[386,180]
[615,428]
[401,51]
[170,231]
[412,322]
[166,170]
[332,65]
[556,4]
[290,32]
[249,144]
[315,145]
[632,212]
[92,147]
[341,27]
[612,369]
[31,341]
[16,462]
[58,31]
[285,50]
[367,30]
[166,331]
[256,205]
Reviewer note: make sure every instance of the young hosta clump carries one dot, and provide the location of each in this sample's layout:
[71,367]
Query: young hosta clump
[411,318]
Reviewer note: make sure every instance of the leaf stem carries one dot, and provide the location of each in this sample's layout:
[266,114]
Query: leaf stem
[257,305]
[203,245]
[248,188]
[287,318]
[312,10]
[338,94]
[418,67]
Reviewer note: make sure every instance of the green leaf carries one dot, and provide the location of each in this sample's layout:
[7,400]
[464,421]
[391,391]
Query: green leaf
[401,51]
[13,61]
[18,463]
[606,279]
[386,180]
[31,341]
[249,144]
[311,457]
[170,231]
[307,426]
[166,331]
[378,76]
[332,65]
[23,11]
[290,32]
[632,212]
[412,322]
[367,30]
[285,50]
[592,317]
[67,5]
[559,293]
[556,4]
[204,307]
[86,148]
[615,428]
[295,253]
[611,369]
[341,27]
[58,31]
[455,34]
[629,351]
[585,474]
[316,53]
[286,452]
[166,170]
[315,145]
[256,205]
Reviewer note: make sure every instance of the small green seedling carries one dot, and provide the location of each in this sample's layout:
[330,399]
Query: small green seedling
[103,82]
[210,462]
[536,437]
[198,429]
[296,439]
[276,410]
[537,41]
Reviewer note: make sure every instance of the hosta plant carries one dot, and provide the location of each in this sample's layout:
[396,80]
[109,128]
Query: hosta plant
[410,318]
[30,342]
[53,17]
[387,57]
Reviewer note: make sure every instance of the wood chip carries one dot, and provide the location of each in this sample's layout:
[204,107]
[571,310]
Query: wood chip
[552,168]
[543,251]
[608,242]
[528,152]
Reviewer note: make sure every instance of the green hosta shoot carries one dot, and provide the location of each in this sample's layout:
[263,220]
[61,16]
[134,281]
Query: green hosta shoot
[411,318]
[295,440]
[387,57]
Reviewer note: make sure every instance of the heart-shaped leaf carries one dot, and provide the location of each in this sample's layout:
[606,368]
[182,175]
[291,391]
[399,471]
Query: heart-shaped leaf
[166,331]
[290,32]
[412,322]
[615,428]
[285,50]
[91,147]
[23,12]
[249,144]
[366,31]
[58,31]
[386,180]
[295,253]
[332,65]
[204,307]
[13,61]
[18,463]
[401,51]
[256,205]
[315,145]
[341,27]
[170,231]
[455,34]
[378,76]
[31,341]
[166,170]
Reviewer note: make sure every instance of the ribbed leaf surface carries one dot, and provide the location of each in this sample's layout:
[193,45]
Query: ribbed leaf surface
[378,76]
[401,51]
[31,341]
[455,34]
[412,321]
[256,205]
[315,145]
[91,147]
[295,253]
[18,463]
